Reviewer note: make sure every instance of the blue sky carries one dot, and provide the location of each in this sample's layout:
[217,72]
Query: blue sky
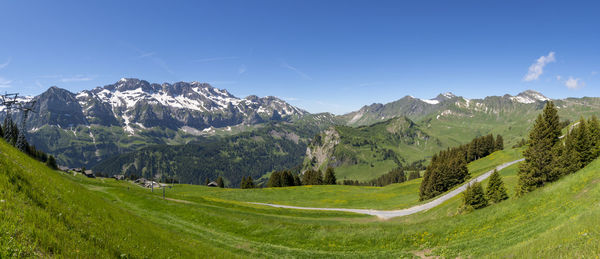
[333,56]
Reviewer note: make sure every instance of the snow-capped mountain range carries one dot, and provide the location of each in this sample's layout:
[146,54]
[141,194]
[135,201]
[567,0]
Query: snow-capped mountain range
[136,105]
[442,105]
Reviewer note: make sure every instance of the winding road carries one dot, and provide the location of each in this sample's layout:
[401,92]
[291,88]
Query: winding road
[388,214]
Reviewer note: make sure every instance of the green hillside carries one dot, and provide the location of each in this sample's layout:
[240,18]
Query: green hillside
[393,196]
[46,213]
[277,146]
[363,152]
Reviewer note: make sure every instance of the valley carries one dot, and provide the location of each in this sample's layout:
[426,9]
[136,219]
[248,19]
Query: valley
[219,225]
[98,129]
[299,129]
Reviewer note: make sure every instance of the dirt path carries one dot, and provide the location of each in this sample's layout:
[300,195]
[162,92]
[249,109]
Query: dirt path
[388,214]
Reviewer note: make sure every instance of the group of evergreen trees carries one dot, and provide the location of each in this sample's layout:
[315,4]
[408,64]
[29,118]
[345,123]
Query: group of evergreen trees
[283,178]
[483,146]
[396,175]
[449,167]
[550,156]
[475,198]
[310,177]
[247,183]
[11,133]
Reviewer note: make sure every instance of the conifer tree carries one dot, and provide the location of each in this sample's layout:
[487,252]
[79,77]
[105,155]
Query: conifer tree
[243,184]
[474,197]
[330,176]
[220,182]
[250,183]
[472,151]
[206,181]
[496,191]
[583,143]
[499,143]
[297,181]
[490,145]
[51,162]
[274,180]
[594,130]
[312,177]
[537,167]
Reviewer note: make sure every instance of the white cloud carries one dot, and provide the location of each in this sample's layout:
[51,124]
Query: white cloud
[242,69]
[5,83]
[77,78]
[574,83]
[594,73]
[558,78]
[537,68]
[37,82]
[300,73]
[5,64]
[148,54]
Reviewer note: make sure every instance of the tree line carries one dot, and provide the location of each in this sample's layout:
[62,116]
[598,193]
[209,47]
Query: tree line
[396,175]
[448,168]
[16,137]
[286,178]
[551,155]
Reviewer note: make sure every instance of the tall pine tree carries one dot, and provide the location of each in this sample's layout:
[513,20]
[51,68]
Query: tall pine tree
[220,182]
[499,142]
[496,192]
[330,176]
[594,130]
[583,143]
[537,167]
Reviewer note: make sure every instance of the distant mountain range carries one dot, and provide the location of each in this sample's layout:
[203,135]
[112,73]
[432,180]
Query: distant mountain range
[135,105]
[383,136]
[85,128]
[416,108]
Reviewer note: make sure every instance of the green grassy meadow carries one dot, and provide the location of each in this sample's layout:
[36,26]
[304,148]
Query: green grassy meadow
[46,213]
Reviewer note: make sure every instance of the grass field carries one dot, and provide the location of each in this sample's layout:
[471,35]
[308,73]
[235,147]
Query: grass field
[394,196]
[46,213]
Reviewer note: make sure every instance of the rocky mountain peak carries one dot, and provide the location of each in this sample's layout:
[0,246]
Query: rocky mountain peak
[136,105]
[530,96]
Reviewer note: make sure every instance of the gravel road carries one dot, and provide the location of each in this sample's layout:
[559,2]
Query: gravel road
[388,214]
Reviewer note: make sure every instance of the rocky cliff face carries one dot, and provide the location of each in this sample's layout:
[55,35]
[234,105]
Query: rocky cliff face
[135,105]
[86,127]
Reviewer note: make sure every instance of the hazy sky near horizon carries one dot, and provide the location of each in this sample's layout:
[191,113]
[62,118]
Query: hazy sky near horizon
[333,56]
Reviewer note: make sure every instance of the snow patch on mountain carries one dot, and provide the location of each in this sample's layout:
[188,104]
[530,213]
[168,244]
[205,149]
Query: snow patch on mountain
[430,101]
[529,96]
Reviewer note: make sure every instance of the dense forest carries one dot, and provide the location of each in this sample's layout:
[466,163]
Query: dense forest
[16,137]
[551,155]
[276,146]
[448,168]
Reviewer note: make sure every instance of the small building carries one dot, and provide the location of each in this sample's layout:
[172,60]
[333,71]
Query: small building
[88,173]
[119,177]
[63,168]
[212,184]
